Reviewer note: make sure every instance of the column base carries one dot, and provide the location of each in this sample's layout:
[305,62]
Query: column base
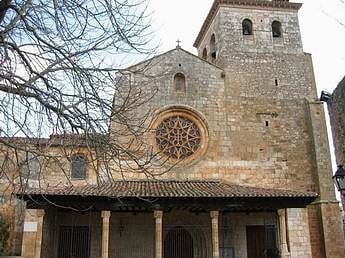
[286,255]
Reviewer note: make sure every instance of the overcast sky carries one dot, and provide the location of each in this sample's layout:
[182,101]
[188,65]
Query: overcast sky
[320,20]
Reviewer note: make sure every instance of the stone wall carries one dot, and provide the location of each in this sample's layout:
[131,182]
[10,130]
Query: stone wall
[7,213]
[298,231]
[252,139]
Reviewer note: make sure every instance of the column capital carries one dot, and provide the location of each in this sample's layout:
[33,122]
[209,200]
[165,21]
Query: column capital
[214,214]
[40,212]
[158,214]
[105,214]
[281,212]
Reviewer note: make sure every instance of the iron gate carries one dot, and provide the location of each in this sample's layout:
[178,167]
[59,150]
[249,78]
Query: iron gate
[187,241]
[74,242]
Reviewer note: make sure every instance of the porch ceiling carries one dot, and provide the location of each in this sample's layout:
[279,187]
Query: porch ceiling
[193,194]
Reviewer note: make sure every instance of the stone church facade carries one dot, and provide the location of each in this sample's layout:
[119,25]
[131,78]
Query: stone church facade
[246,169]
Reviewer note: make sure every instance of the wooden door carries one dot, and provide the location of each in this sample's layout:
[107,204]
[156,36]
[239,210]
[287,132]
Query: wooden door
[255,241]
[262,242]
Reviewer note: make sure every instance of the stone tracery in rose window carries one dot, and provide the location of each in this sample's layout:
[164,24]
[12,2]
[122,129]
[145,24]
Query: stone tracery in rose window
[178,137]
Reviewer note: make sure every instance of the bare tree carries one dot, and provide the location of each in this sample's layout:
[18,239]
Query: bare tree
[60,62]
[60,89]
[57,61]
[339,20]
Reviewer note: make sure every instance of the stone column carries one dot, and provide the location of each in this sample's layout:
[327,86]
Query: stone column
[105,234]
[158,215]
[282,233]
[39,234]
[33,233]
[215,239]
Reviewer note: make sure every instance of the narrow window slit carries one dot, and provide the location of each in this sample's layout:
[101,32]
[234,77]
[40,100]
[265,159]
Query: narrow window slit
[213,47]
[204,54]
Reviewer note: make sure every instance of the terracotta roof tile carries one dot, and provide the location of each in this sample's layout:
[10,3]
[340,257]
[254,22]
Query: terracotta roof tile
[173,189]
[57,140]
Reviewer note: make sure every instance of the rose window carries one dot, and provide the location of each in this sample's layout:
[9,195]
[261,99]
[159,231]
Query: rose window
[178,137]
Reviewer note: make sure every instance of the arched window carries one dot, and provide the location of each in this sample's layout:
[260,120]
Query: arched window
[204,54]
[247,27]
[78,166]
[213,47]
[180,82]
[276,29]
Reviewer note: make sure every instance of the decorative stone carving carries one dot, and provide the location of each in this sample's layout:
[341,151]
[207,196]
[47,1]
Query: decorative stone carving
[178,137]
[179,133]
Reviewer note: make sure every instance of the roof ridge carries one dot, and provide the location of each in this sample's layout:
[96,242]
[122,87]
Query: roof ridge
[163,189]
[164,181]
[151,59]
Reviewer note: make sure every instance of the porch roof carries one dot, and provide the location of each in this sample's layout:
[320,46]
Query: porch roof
[138,196]
[168,189]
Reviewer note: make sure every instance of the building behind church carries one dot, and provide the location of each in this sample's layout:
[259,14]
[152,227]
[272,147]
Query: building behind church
[336,110]
[241,164]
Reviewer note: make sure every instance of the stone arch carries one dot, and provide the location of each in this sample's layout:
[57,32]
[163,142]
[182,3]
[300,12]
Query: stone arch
[247,27]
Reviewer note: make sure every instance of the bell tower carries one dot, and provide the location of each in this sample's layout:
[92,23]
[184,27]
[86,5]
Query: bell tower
[270,100]
[258,43]
[249,26]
